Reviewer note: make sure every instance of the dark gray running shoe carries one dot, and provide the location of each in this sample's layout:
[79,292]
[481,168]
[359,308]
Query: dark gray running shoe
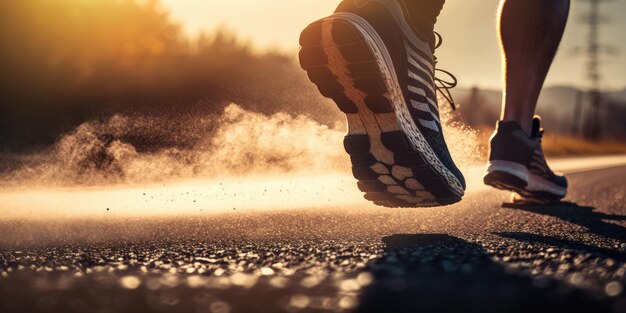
[517,163]
[372,62]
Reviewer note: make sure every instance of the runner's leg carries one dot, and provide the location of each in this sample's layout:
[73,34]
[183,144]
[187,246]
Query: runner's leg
[530,33]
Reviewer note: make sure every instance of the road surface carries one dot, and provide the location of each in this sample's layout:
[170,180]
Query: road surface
[481,255]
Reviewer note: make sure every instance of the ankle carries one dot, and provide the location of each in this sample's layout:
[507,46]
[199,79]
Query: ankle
[524,124]
[423,16]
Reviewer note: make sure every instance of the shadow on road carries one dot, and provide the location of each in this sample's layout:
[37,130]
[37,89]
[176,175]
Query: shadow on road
[441,273]
[575,246]
[584,216]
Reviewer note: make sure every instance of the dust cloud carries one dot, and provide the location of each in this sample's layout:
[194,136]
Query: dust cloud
[238,160]
[237,143]
[463,141]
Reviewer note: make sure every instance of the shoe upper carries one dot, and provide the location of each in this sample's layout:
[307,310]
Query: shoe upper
[538,164]
[510,143]
[414,64]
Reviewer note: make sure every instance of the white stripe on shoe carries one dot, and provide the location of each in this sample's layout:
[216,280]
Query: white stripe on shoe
[418,78]
[421,92]
[415,57]
[424,107]
[429,124]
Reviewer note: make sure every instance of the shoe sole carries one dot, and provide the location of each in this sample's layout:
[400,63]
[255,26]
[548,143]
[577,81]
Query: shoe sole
[516,178]
[346,59]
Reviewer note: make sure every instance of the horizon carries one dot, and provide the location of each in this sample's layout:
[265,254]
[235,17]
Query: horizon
[254,21]
[98,58]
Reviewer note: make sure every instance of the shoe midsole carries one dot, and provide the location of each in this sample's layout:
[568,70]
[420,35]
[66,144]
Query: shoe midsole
[538,183]
[403,116]
[518,170]
[535,183]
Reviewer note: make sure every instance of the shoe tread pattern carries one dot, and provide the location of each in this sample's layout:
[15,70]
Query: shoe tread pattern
[390,172]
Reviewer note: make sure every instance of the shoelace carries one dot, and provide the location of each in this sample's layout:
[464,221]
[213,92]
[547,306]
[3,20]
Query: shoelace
[443,86]
[537,130]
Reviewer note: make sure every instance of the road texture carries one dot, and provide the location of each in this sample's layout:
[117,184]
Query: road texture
[482,255]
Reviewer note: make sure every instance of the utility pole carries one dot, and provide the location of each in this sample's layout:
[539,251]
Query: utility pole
[578,107]
[593,51]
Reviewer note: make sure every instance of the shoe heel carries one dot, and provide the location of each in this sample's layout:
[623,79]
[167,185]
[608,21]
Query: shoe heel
[335,45]
[506,175]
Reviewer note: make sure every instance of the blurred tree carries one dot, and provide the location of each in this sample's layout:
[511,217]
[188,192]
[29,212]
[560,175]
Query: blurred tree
[66,61]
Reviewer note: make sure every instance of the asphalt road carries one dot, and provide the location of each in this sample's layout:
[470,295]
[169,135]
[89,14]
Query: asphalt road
[482,255]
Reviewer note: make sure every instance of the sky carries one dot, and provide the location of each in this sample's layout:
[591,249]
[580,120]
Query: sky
[470,47]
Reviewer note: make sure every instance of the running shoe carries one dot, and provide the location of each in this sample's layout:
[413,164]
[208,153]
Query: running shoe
[369,59]
[517,164]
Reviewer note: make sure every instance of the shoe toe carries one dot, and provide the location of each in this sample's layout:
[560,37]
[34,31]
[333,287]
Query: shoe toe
[561,180]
